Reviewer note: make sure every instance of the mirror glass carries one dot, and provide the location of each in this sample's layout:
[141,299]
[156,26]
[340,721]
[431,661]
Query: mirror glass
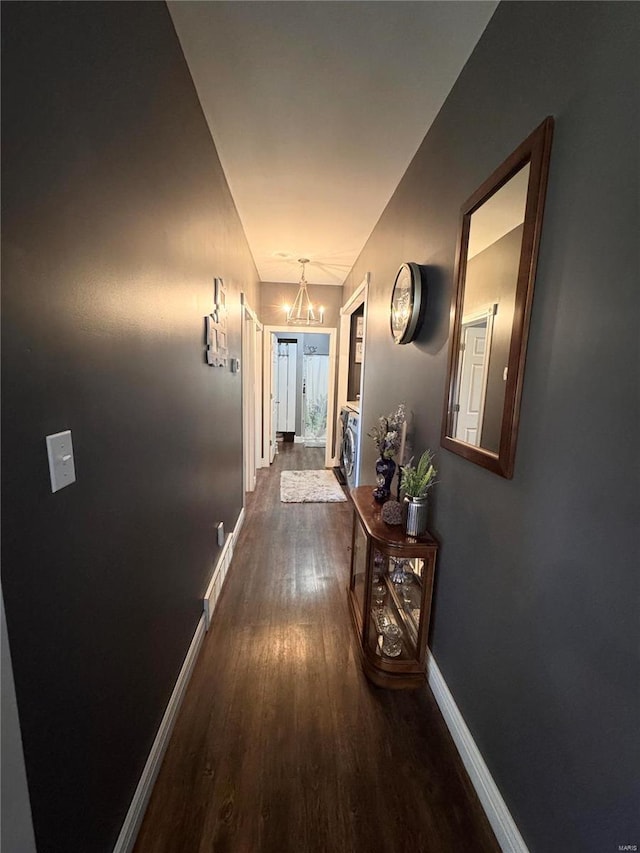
[493,257]
[497,252]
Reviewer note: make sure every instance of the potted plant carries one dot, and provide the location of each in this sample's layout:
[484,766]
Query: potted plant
[387,435]
[415,483]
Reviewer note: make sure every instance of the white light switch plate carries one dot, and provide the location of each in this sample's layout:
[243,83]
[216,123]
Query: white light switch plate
[60,453]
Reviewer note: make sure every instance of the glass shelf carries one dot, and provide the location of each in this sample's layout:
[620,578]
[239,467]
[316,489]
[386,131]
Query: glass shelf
[380,618]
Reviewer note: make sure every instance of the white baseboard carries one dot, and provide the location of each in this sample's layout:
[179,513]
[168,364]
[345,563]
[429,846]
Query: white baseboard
[138,806]
[220,571]
[239,523]
[133,820]
[498,814]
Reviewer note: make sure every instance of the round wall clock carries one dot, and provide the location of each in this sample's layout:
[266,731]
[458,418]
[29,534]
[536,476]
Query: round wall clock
[407,300]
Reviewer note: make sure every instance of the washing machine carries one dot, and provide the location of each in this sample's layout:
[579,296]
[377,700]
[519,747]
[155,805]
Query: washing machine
[342,431]
[350,448]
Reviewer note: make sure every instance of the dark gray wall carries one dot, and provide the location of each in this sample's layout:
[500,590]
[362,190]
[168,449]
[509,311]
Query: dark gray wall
[535,614]
[116,217]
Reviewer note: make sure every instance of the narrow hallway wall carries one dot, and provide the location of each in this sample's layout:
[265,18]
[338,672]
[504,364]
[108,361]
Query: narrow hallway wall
[535,607]
[116,216]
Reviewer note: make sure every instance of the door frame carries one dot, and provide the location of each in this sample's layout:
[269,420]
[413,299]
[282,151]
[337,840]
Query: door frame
[358,298]
[268,332]
[251,373]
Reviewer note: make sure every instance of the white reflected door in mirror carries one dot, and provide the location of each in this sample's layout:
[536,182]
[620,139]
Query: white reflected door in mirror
[475,350]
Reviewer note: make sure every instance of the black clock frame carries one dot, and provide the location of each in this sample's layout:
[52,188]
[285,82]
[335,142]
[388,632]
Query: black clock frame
[418,300]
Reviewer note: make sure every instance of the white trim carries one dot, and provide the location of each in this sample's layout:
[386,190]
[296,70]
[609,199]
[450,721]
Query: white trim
[354,301]
[241,517]
[250,379]
[498,814]
[132,821]
[262,460]
[217,579]
[249,310]
[480,314]
[220,571]
[357,298]
[269,442]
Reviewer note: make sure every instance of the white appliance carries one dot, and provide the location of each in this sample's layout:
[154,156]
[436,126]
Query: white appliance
[345,411]
[350,448]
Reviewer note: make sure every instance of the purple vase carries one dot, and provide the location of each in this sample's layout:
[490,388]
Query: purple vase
[385,469]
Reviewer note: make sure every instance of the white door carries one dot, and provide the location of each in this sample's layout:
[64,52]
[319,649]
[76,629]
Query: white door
[259,404]
[273,445]
[286,371]
[472,383]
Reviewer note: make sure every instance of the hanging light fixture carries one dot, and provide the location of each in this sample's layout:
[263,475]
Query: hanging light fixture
[302,312]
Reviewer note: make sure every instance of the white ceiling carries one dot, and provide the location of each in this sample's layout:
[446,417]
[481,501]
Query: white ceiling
[316,109]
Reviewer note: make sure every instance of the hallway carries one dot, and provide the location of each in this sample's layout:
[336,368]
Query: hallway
[281,745]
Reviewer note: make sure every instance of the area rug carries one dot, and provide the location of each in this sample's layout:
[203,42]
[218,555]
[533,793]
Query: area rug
[301,487]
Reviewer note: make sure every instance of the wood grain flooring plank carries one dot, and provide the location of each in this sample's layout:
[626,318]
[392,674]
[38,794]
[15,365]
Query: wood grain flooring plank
[281,744]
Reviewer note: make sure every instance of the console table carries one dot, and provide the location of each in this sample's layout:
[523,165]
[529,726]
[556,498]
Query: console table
[391,584]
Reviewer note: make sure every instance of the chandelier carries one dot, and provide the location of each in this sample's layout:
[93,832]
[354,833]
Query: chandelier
[302,312]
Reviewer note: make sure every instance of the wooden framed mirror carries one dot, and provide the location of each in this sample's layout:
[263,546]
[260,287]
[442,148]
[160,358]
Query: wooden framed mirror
[497,252]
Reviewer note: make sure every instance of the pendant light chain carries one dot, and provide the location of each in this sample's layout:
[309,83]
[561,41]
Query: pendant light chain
[302,312]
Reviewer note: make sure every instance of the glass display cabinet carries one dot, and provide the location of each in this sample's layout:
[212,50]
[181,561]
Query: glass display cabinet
[390,591]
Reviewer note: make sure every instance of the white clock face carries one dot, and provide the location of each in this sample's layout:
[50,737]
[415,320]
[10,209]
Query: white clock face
[405,303]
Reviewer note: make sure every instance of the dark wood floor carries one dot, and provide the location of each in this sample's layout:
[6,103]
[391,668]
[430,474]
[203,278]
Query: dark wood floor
[281,745]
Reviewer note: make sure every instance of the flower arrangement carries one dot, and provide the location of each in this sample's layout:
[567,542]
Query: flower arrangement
[416,481]
[387,434]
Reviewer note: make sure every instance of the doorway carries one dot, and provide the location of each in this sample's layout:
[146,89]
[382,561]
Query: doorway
[351,368]
[314,405]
